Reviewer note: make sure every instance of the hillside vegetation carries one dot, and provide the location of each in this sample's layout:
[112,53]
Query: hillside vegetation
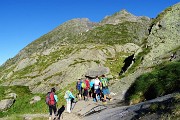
[161,81]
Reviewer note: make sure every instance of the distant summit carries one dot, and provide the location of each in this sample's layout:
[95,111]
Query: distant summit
[123,16]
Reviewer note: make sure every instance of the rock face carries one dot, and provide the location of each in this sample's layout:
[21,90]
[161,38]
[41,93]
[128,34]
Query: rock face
[138,111]
[164,36]
[63,71]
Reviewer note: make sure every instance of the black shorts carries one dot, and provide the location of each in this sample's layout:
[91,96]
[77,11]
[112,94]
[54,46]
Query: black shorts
[85,92]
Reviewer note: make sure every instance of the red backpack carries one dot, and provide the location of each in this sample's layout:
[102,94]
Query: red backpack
[50,99]
[87,84]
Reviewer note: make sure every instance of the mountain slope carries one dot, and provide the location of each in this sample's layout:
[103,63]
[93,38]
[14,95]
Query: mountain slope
[65,54]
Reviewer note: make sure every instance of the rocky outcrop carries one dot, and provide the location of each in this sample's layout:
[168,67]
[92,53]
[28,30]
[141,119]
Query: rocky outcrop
[137,111]
[67,69]
[164,36]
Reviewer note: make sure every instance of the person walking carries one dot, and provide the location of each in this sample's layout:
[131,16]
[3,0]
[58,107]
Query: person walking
[79,89]
[97,88]
[86,88]
[51,100]
[105,90]
[69,99]
[91,91]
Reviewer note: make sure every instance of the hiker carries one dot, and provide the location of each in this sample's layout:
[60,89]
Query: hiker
[51,100]
[69,99]
[86,88]
[105,90]
[91,88]
[79,88]
[97,88]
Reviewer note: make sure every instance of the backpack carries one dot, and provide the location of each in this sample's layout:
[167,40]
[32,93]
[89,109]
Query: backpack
[83,85]
[87,84]
[66,96]
[50,100]
[104,82]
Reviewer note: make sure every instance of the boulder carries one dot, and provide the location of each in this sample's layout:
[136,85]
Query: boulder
[11,95]
[6,103]
[35,99]
[98,71]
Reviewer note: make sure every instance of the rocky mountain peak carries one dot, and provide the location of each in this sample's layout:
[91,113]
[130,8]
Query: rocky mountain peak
[123,16]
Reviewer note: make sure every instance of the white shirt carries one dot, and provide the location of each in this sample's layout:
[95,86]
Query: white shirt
[96,83]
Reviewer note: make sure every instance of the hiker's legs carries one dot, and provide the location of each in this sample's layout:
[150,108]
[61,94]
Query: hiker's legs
[85,95]
[106,93]
[54,109]
[68,105]
[80,94]
[50,110]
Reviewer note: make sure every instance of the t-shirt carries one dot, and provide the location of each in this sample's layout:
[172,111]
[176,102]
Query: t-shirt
[96,83]
[56,98]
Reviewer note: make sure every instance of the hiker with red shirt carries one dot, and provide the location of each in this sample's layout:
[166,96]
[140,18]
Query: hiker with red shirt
[86,88]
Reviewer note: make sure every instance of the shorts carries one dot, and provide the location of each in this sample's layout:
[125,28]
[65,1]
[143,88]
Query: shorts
[85,92]
[105,91]
[97,91]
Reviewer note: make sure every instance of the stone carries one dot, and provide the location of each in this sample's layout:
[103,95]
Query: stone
[35,99]
[6,103]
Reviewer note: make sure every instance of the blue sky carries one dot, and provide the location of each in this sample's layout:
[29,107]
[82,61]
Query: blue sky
[23,21]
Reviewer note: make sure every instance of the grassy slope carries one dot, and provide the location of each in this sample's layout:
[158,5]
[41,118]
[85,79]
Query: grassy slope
[113,34]
[22,105]
[163,80]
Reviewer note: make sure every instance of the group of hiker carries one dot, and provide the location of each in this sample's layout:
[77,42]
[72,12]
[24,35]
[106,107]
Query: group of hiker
[95,89]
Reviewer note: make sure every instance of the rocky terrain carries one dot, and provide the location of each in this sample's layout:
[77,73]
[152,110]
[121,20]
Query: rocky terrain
[70,51]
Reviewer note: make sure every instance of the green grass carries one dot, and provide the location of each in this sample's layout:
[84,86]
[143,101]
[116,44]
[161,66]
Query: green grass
[22,105]
[163,80]
[113,34]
